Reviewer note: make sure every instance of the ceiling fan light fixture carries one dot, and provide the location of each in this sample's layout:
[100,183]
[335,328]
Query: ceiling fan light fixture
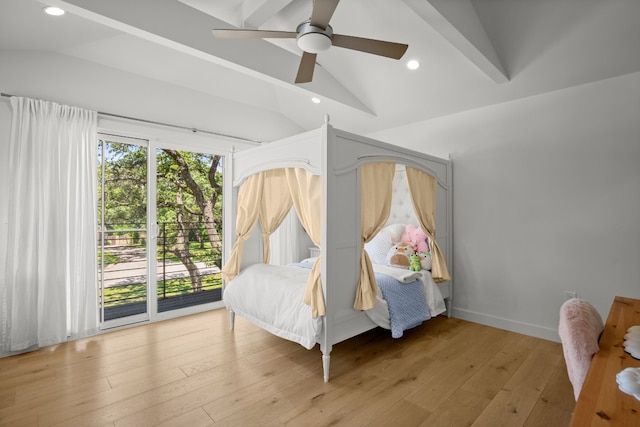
[314,42]
[314,39]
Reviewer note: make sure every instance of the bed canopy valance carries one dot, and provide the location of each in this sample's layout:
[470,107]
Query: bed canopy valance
[267,196]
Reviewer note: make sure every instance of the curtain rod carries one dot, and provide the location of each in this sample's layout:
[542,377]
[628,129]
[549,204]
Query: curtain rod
[194,130]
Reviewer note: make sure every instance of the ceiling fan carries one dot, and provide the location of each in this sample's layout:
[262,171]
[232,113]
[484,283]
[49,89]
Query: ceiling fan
[316,35]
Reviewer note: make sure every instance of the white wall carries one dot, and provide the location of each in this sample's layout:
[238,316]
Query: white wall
[546,199]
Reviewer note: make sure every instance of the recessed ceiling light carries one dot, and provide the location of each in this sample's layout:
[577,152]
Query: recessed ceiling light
[53,11]
[315,100]
[413,64]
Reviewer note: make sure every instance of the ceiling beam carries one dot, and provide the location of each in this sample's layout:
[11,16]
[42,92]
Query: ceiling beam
[175,25]
[458,22]
[257,12]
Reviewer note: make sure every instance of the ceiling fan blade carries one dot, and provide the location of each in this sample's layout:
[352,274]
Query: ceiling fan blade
[376,47]
[253,34]
[305,70]
[322,12]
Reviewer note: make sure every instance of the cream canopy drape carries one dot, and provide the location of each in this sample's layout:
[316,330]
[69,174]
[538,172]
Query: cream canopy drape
[276,203]
[249,200]
[422,187]
[306,193]
[376,184]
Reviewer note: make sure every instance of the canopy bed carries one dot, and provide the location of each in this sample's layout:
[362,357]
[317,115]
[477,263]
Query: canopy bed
[350,193]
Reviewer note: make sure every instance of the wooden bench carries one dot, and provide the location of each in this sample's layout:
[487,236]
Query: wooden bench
[601,402]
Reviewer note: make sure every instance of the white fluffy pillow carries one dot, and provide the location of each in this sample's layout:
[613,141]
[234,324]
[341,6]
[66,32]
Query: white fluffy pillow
[378,247]
[395,232]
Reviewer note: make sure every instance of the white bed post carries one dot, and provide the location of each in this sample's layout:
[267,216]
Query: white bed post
[327,343]
[232,319]
[326,358]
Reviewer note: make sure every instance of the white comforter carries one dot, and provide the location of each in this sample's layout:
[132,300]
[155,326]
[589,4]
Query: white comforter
[280,312]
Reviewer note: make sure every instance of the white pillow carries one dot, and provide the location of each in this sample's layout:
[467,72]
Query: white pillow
[395,232]
[378,247]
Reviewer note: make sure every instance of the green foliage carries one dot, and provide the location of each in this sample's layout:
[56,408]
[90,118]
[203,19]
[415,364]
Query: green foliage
[188,192]
[122,185]
[170,183]
[109,258]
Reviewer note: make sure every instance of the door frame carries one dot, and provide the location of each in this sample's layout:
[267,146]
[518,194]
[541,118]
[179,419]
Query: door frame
[141,317]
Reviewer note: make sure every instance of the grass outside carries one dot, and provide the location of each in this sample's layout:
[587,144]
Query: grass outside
[136,293]
[118,295]
[109,258]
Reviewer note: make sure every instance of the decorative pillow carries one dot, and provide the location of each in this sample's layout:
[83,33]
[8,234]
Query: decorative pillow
[398,255]
[378,247]
[395,232]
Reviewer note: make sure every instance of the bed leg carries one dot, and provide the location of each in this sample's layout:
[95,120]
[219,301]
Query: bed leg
[232,319]
[325,366]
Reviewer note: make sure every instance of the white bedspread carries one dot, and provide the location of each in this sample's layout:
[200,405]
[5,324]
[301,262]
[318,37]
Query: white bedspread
[280,309]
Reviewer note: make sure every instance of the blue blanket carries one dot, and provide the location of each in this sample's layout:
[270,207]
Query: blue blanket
[406,302]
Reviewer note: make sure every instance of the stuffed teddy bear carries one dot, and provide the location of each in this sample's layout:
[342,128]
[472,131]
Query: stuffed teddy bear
[414,262]
[416,238]
[398,255]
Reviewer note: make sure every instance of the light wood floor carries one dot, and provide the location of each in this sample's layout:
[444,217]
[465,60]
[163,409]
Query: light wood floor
[194,372]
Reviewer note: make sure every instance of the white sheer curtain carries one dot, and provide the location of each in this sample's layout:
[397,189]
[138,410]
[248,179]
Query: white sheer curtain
[48,291]
[284,241]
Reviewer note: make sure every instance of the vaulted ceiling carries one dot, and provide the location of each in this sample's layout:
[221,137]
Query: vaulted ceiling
[473,53]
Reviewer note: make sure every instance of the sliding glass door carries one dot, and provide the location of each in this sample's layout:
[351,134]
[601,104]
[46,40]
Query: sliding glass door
[189,215]
[160,222]
[123,230]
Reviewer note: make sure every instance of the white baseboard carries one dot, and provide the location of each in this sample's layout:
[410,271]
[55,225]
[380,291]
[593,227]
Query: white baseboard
[507,324]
